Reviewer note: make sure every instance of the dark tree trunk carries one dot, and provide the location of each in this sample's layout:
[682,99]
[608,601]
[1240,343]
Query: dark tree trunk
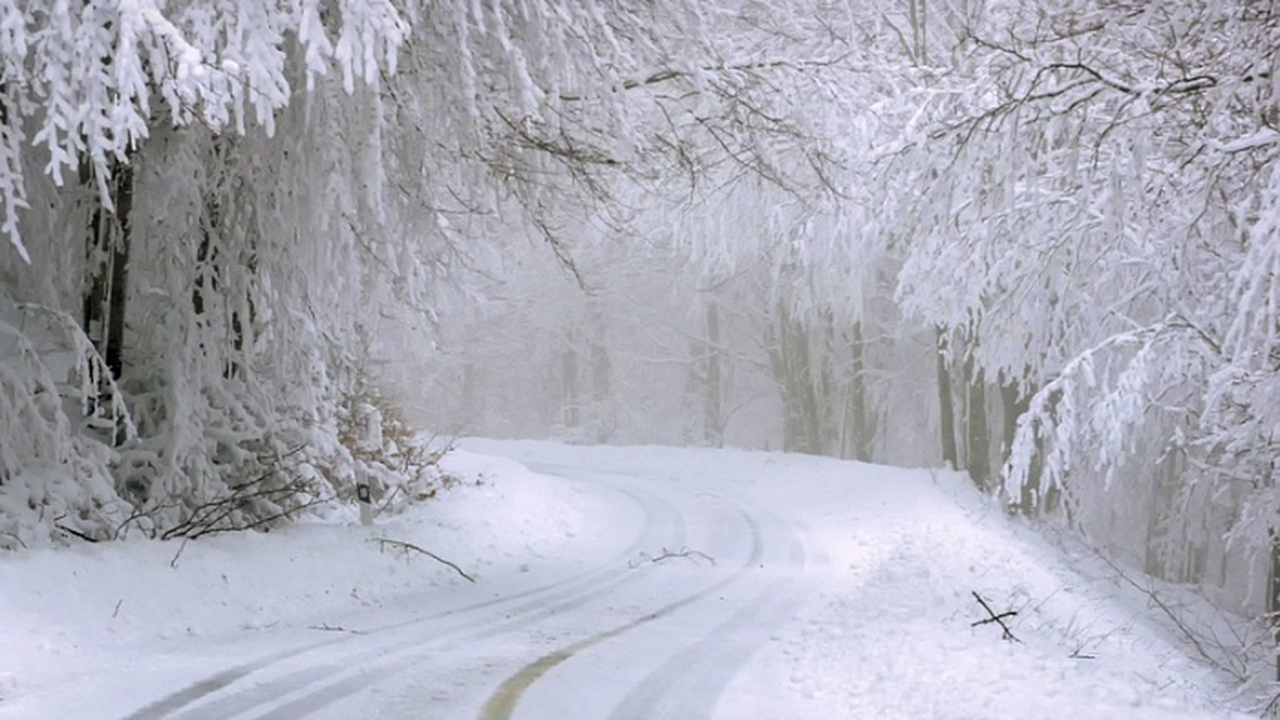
[206,257]
[860,435]
[106,283]
[202,265]
[946,406]
[790,360]
[122,181]
[97,253]
[107,240]
[1011,408]
[978,433]
[107,255]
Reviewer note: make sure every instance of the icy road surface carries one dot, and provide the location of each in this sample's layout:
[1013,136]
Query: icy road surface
[620,583]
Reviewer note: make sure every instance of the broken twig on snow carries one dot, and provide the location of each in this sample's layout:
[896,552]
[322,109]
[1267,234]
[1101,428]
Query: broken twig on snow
[666,554]
[993,617]
[334,628]
[405,547]
[1079,654]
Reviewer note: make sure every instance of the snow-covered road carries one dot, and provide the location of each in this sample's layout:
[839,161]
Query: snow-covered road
[707,590]
[625,634]
[623,584]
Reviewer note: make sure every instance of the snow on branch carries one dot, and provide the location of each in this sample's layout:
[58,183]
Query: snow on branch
[96,385]
[85,77]
[1055,423]
[1252,335]
[1266,137]
[669,74]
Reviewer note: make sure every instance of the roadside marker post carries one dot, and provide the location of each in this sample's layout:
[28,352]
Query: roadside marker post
[366,503]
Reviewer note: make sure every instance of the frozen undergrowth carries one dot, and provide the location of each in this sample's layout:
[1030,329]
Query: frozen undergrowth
[82,459]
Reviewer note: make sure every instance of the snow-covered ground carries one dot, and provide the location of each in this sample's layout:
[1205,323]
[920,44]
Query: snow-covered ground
[609,583]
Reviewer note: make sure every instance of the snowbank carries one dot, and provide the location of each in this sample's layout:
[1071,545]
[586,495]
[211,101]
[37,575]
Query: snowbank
[67,613]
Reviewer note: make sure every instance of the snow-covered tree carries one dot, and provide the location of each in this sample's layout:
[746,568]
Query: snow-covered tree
[228,199]
[1093,193]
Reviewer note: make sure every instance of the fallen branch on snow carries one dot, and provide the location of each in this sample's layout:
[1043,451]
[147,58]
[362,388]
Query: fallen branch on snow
[993,617]
[76,533]
[334,628]
[1079,654]
[405,548]
[666,554]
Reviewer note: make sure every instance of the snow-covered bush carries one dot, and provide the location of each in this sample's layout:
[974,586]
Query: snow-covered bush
[399,464]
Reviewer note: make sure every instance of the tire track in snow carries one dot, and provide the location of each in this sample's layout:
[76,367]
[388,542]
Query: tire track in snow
[502,703]
[203,699]
[328,695]
[689,684]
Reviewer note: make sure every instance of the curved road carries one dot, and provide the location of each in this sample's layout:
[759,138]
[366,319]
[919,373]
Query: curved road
[626,638]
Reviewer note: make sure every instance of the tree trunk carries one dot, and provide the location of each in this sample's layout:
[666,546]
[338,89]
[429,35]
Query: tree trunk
[792,418]
[106,290]
[97,253]
[204,273]
[947,424]
[122,185]
[978,433]
[209,269]
[1273,593]
[790,360]
[826,416]
[106,283]
[1014,405]
[802,388]
[1010,410]
[713,420]
[859,436]
[601,386]
[569,404]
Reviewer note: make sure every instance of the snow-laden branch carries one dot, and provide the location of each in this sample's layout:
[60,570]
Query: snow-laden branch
[87,76]
[698,75]
[1252,335]
[1050,430]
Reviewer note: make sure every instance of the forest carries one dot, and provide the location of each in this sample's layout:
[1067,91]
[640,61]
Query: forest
[250,249]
